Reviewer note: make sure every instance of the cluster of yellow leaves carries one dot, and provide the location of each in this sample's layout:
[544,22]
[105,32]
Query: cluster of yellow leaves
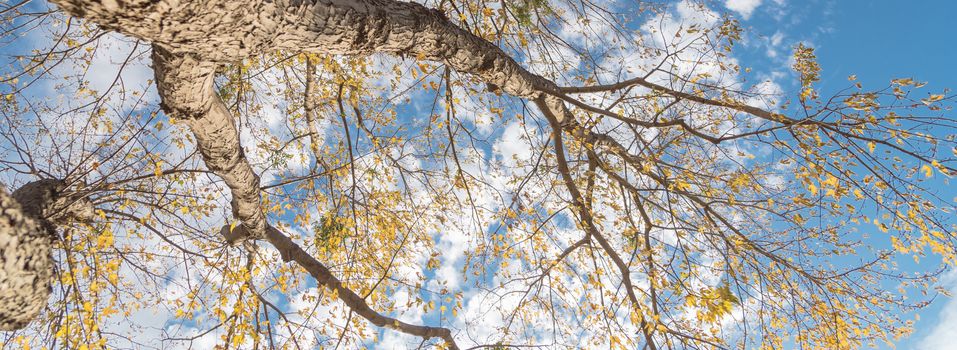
[805,63]
[713,303]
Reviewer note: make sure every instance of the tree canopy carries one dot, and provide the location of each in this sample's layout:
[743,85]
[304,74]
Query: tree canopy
[460,174]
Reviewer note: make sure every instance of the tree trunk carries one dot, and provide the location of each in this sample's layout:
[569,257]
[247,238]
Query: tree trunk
[224,31]
[28,220]
[26,267]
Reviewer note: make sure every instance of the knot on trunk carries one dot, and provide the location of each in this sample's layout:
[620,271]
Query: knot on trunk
[28,220]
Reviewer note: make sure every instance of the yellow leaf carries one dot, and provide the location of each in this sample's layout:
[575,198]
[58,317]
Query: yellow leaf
[903,81]
[932,99]
[927,170]
[880,225]
[798,219]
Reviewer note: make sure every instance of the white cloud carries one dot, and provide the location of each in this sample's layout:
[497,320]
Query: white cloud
[777,38]
[766,94]
[744,8]
[944,334]
[514,145]
[774,44]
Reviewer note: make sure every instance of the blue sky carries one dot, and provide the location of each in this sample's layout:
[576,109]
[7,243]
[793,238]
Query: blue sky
[877,41]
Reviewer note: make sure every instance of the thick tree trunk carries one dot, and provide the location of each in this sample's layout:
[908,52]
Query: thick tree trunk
[28,219]
[26,265]
[231,30]
[185,83]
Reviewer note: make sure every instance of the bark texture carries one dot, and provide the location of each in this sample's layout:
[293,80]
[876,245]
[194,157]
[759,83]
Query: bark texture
[26,265]
[51,203]
[28,219]
[185,83]
[230,30]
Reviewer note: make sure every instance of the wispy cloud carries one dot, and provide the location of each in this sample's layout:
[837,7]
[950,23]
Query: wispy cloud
[744,8]
[943,336]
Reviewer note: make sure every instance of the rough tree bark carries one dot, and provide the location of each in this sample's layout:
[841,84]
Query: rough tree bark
[225,31]
[27,265]
[28,219]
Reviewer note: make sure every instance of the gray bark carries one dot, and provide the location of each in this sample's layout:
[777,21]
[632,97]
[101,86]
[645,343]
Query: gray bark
[185,84]
[26,265]
[28,219]
[230,30]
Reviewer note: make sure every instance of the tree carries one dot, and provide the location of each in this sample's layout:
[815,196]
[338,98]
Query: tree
[644,198]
